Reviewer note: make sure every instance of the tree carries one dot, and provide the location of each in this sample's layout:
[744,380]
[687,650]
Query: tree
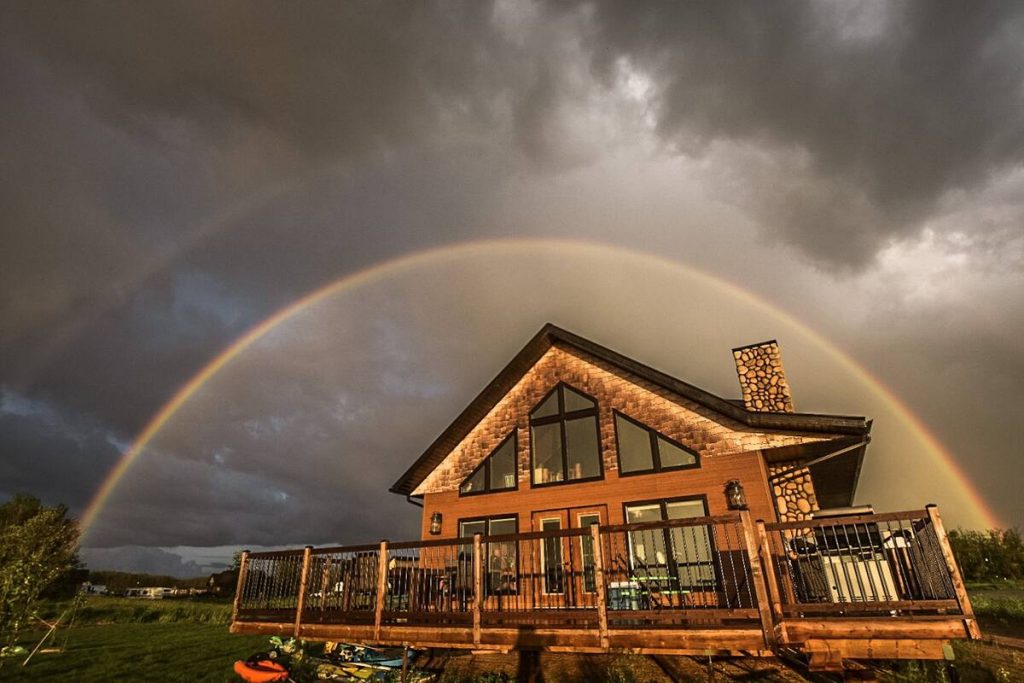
[992,554]
[38,546]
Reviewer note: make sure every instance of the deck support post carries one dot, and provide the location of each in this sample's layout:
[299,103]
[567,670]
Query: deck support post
[243,569]
[771,578]
[599,584]
[954,573]
[478,586]
[757,577]
[382,587]
[300,603]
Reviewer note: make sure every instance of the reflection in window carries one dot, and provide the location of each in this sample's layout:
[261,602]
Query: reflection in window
[501,558]
[641,449]
[551,558]
[564,438]
[587,551]
[496,473]
[678,558]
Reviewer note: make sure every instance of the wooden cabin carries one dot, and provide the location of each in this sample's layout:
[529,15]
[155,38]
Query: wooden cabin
[584,501]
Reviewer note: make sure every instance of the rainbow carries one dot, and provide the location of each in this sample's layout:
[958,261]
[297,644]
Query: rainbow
[396,266]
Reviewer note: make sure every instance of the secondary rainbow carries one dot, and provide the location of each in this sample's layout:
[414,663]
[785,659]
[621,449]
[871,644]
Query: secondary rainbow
[482,248]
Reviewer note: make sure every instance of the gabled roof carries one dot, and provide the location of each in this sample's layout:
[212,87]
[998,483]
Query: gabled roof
[551,335]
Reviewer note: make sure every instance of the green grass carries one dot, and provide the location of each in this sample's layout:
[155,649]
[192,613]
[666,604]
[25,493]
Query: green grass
[140,652]
[102,610]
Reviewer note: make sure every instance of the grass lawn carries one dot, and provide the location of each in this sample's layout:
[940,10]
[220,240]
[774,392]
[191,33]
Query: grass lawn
[139,652]
[118,639]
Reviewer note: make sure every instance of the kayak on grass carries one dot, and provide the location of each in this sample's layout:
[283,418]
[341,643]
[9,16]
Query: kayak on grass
[261,671]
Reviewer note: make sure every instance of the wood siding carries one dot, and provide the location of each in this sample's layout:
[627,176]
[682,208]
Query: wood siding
[708,480]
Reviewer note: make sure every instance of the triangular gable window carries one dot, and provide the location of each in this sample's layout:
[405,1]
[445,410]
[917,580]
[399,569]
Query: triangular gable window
[496,473]
[641,449]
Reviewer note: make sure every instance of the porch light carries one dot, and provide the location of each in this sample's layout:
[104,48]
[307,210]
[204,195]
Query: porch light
[735,496]
[435,524]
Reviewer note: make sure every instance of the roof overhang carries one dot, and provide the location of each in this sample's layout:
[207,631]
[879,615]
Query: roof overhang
[835,466]
[553,336]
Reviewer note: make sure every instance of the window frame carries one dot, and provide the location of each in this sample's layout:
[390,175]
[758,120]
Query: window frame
[560,418]
[486,466]
[653,435]
[487,519]
[670,564]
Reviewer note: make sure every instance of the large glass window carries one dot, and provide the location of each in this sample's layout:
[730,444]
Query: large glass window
[501,558]
[641,449]
[677,558]
[565,442]
[496,473]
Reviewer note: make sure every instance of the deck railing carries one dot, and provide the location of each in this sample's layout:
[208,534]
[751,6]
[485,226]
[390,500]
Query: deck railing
[882,563]
[709,572]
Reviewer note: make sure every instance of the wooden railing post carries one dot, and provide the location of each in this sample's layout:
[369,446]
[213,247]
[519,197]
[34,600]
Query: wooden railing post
[243,568]
[599,584]
[771,577]
[954,573]
[478,586]
[300,604]
[757,576]
[382,588]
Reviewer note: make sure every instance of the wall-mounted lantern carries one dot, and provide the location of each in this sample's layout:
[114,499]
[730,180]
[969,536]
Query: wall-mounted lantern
[735,496]
[435,524]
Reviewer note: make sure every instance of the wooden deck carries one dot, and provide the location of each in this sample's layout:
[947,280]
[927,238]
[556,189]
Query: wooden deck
[881,586]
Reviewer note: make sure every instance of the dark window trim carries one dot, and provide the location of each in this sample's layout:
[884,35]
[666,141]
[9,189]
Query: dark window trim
[670,563]
[488,519]
[561,418]
[653,435]
[664,502]
[514,516]
[486,466]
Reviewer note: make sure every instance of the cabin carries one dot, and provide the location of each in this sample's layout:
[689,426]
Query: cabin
[586,502]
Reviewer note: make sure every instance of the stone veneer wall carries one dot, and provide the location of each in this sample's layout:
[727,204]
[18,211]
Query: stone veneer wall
[705,431]
[762,378]
[794,495]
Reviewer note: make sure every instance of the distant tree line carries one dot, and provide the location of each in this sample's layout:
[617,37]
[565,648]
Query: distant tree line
[119,582]
[988,555]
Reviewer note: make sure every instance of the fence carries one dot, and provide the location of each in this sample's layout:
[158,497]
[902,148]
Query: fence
[708,572]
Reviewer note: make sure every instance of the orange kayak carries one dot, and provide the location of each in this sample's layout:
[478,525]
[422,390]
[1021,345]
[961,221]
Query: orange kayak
[263,671]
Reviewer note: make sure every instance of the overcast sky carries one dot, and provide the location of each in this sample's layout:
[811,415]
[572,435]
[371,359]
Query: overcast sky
[174,173]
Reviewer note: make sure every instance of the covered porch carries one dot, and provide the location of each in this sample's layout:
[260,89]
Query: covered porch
[879,586]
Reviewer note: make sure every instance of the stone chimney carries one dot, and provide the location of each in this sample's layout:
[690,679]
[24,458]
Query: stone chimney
[762,378]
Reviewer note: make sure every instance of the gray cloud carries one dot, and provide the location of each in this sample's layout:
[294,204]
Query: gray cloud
[878,109]
[177,172]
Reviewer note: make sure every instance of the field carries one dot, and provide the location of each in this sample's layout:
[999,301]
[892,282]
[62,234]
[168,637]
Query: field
[117,639]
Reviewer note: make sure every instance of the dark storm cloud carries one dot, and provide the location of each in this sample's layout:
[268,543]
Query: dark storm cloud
[871,111]
[48,452]
[142,559]
[175,172]
[328,77]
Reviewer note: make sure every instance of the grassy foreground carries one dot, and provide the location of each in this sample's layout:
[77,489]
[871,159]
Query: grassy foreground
[120,639]
[117,639]
[141,652]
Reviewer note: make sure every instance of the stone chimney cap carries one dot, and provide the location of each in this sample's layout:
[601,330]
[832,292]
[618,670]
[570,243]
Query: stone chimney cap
[754,345]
